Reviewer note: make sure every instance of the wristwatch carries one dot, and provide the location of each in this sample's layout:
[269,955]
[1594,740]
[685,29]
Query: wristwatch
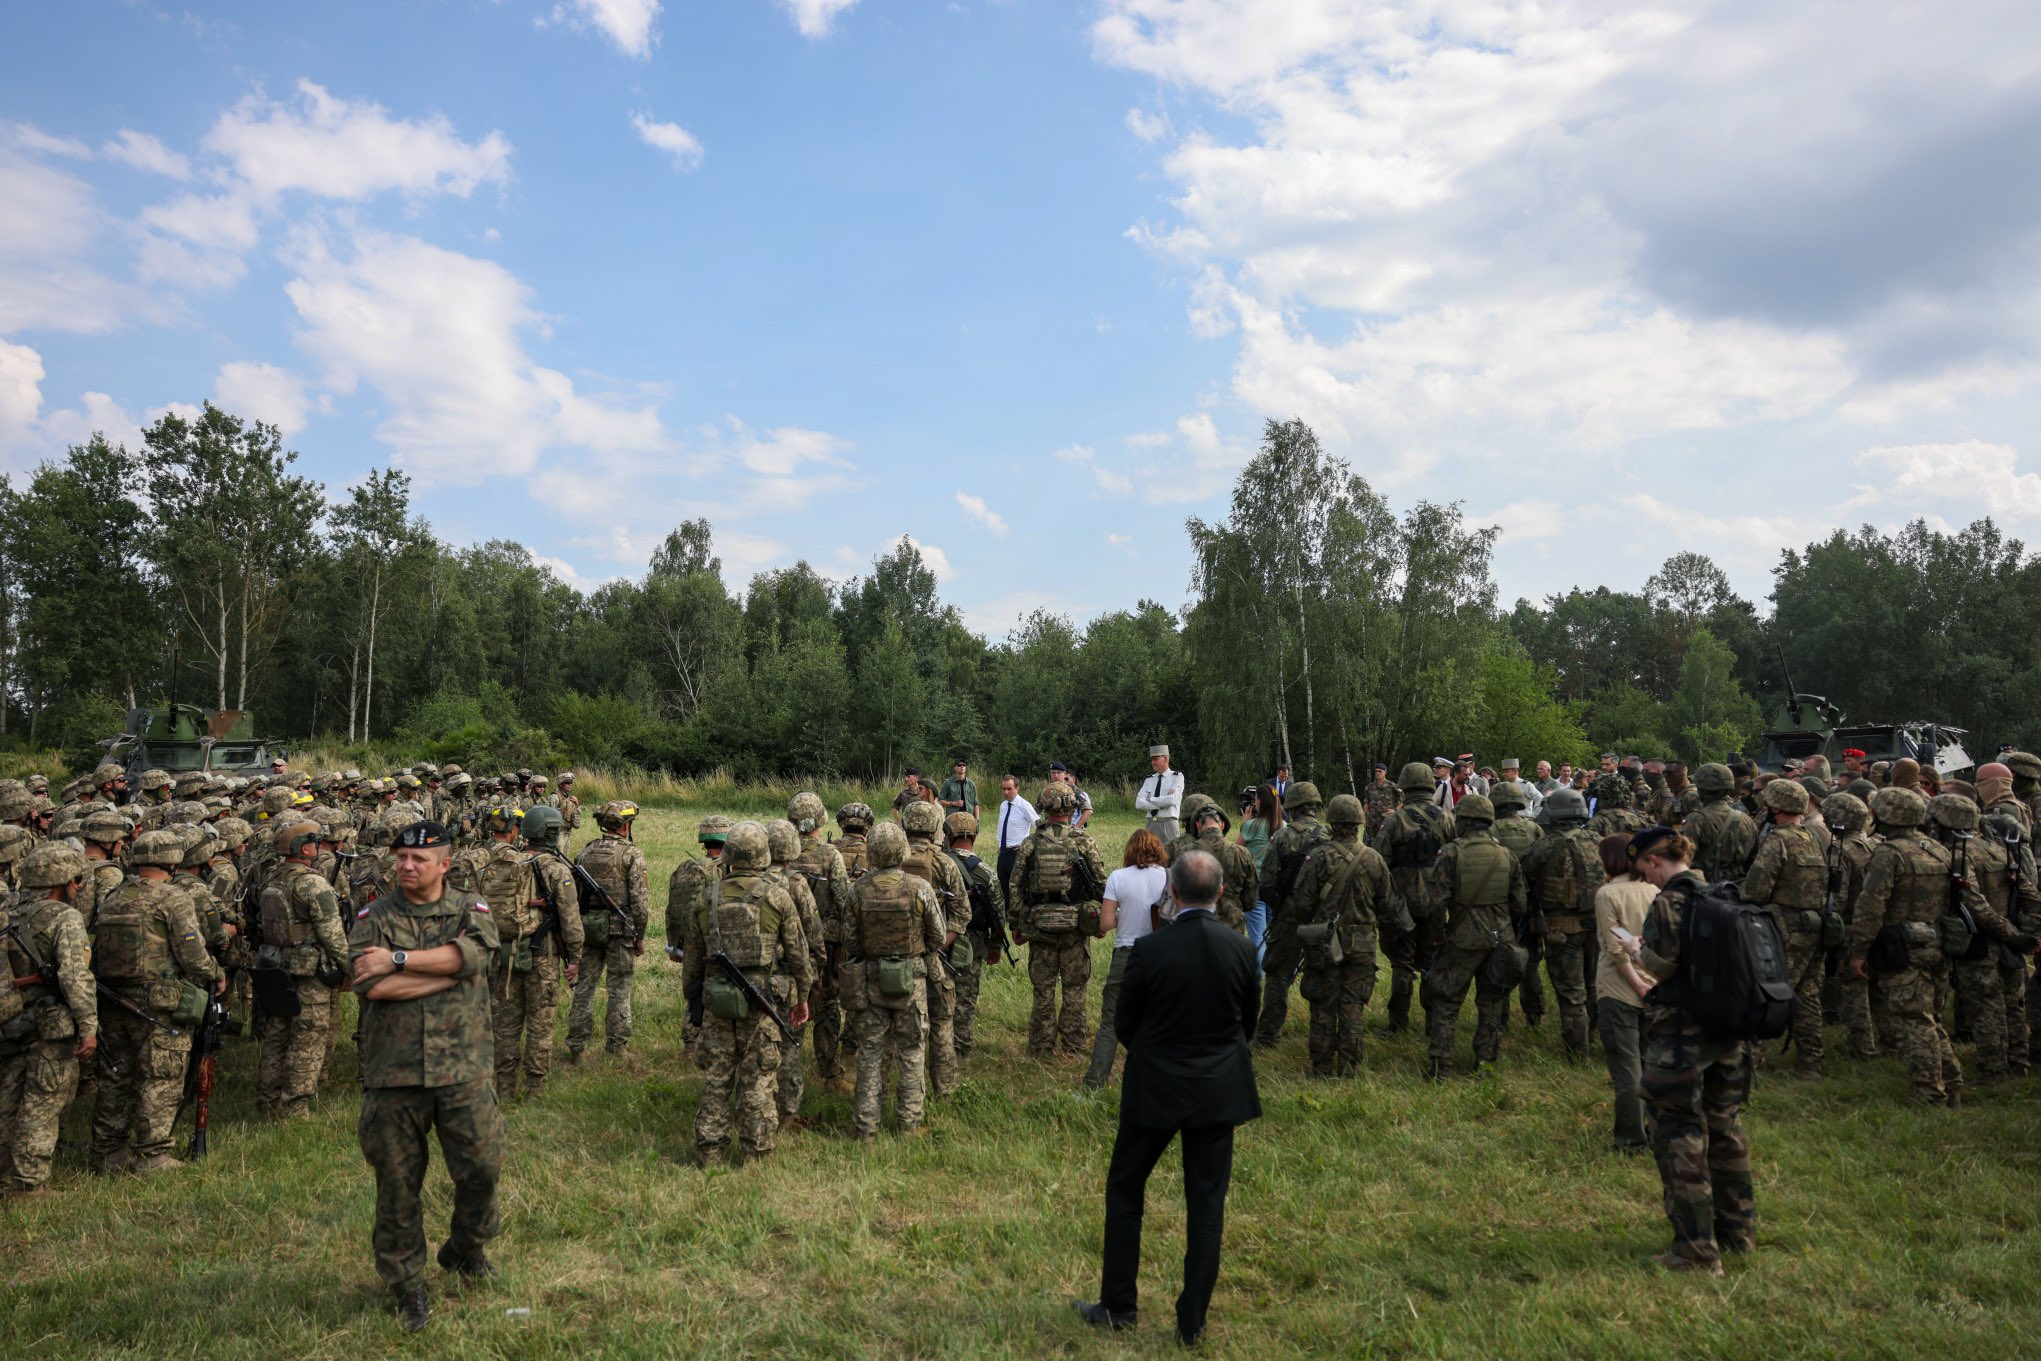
[397,959]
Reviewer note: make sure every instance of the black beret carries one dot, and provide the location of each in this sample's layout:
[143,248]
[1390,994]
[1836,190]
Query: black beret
[424,835]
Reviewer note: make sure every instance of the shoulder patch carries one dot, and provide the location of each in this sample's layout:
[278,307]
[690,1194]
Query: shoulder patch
[363,913]
[482,908]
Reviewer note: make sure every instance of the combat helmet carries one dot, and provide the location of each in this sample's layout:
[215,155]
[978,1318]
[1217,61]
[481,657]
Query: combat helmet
[163,848]
[1301,794]
[920,818]
[1715,778]
[541,824]
[234,833]
[502,818]
[1474,808]
[1345,811]
[51,865]
[1564,805]
[747,848]
[1893,806]
[616,815]
[2024,764]
[105,826]
[200,844]
[154,779]
[855,815]
[782,841]
[960,826]
[713,830]
[1845,812]
[886,848]
[806,812]
[1192,805]
[1954,812]
[1416,778]
[1612,791]
[1056,798]
[1505,794]
[1785,796]
[15,842]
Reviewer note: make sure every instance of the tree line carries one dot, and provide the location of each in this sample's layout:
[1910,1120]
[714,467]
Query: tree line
[1323,629]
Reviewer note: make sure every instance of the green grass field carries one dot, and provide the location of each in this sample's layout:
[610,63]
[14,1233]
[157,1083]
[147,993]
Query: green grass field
[1375,1217]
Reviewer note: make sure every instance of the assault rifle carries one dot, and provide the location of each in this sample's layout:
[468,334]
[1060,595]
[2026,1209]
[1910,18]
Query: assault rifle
[752,994]
[205,1063]
[592,891]
[47,976]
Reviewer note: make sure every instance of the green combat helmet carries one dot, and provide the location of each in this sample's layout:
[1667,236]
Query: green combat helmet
[164,849]
[1564,806]
[1416,778]
[1192,805]
[15,842]
[715,829]
[541,825]
[1474,808]
[1715,779]
[1301,794]
[1345,811]
[1506,795]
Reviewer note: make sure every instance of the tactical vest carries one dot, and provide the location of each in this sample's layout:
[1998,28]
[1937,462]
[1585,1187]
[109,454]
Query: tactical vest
[280,927]
[889,916]
[1801,883]
[1720,841]
[1920,881]
[1415,838]
[920,862]
[1564,885]
[131,941]
[1517,834]
[852,849]
[1299,840]
[1481,873]
[506,882]
[1339,887]
[740,919]
[605,859]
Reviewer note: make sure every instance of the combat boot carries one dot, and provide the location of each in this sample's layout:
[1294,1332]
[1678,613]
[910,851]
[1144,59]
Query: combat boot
[162,1162]
[475,1266]
[412,1309]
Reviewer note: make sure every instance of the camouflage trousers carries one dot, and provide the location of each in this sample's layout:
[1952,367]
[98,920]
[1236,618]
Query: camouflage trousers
[1453,971]
[1531,992]
[792,1084]
[1400,948]
[336,1002]
[1065,961]
[942,1032]
[890,1035]
[1853,1003]
[967,993]
[1569,963]
[1976,985]
[141,1083]
[395,1126]
[1806,962]
[36,1087]
[292,1053]
[615,961]
[740,1063]
[1694,1089]
[827,1024]
[1912,997]
[2012,985]
[522,1013]
[1338,994]
[1281,957]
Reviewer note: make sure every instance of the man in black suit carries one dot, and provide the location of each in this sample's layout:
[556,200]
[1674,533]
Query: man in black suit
[1186,1013]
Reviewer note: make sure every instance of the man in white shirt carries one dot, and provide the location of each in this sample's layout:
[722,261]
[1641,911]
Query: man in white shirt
[1513,773]
[1546,784]
[1160,796]
[1013,820]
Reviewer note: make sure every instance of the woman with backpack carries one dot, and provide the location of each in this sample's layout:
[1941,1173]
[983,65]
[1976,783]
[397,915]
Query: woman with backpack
[1694,1083]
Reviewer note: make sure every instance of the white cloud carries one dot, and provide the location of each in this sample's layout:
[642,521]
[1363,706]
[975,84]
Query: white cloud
[975,507]
[99,414]
[1113,483]
[438,336]
[1529,521]
[350,149]
[996,618]
[21,393]
[34,140]
[932,557]
[815,18]
[144,151]
[50,224]
[264,392]
[1748,537]
[677,142]
[1148,127]
[630,24]
[1971,471]
[1119,540]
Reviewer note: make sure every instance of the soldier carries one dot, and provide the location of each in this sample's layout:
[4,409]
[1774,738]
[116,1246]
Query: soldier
[890,925]
[981,888]
[783,844]
[1675,799]
[1514,829]
[1300,834]
[1986,862]
[1484,887]
[58,1024]
[2026,770]
[1205,828]
[1908,883]
[684,893]
[821,865]
[15,842]
[566,802]
[1338,897]
[1613,813]
[1379,800]
[146,947]
[1694,1083]
[301,958]
[457,804]
[156,796]
[421,954]
[613,946]
[1789,875]
[1563,870]
[102,835]
[535,942]
[748,919]
[2017,896]
[856,821]
[1057,920]
[1723,836]
[1849,855]
[1410,840]
[925,860]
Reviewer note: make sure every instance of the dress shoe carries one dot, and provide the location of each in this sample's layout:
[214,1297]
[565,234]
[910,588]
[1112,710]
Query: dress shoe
[1098,1316]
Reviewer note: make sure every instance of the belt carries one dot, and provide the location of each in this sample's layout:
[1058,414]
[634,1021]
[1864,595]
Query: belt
[1572,922]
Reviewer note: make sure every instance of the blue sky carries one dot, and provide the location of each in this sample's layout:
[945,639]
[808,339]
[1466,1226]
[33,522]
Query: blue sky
[1023,279]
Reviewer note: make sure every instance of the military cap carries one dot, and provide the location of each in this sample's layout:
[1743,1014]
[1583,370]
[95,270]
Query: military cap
[1345,811]
[1816,787]
[746,847]
[960,826]
[163,847]
[855,815]
[14,843]
[887,846]
[1301,794]
[1416,777]
[1863,789]
[714,829]
[1159,749]
[1643,843]
[1897,807]
[805,811]
[1474,808]
[154,779]
[52,865]
[104,825]
[1786,796]
[423,835]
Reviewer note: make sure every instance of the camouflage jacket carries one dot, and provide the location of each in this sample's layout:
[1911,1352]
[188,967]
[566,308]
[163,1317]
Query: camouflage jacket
[166,912]
[553,881]
[951,893]
[749,903]
[1563,871]
[442,1040]
[1241,885]
[619,866]
[1378,801]
[1410,840]
[57,934]
[1789,872]
[789,878]
[1611,821]
[1668,808]
[1517,833]
[1724,840]
[821,864]
[850,849]
[684,891]
[1908,882]
[1346,879]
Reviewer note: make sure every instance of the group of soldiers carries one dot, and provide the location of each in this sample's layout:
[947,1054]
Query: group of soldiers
[125,910]
[1908,904]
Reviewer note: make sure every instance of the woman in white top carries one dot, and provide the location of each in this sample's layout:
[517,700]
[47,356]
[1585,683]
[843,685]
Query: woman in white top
[1133,893]
[1620,986]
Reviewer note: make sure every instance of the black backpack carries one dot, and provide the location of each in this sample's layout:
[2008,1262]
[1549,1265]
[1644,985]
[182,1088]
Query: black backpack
[1732,977]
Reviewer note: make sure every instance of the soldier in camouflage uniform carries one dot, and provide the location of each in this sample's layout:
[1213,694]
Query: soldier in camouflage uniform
[1339,895]
[612,945]
[783,843]
[987,907]
[564,800]
[1281,862]
[745,916]
[1848,857]
[157,793]
[1379,800]
[1974,976]
[1410,840]
[1722,833]
[541,939]
[1790,876]
[2012,888]
[57,1023]
[101,836]
[1907,887]
[300,937]
[821,865]
[1676,800]
[2026,771]
[1483,887]
[1514,829]
[1614,813]
[1205,827]
[1057,922]
[1694,1084]
[684,893]
[925,860]
[148,949]
[890,925]
[856,821]
[422,953]
[1564,871]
